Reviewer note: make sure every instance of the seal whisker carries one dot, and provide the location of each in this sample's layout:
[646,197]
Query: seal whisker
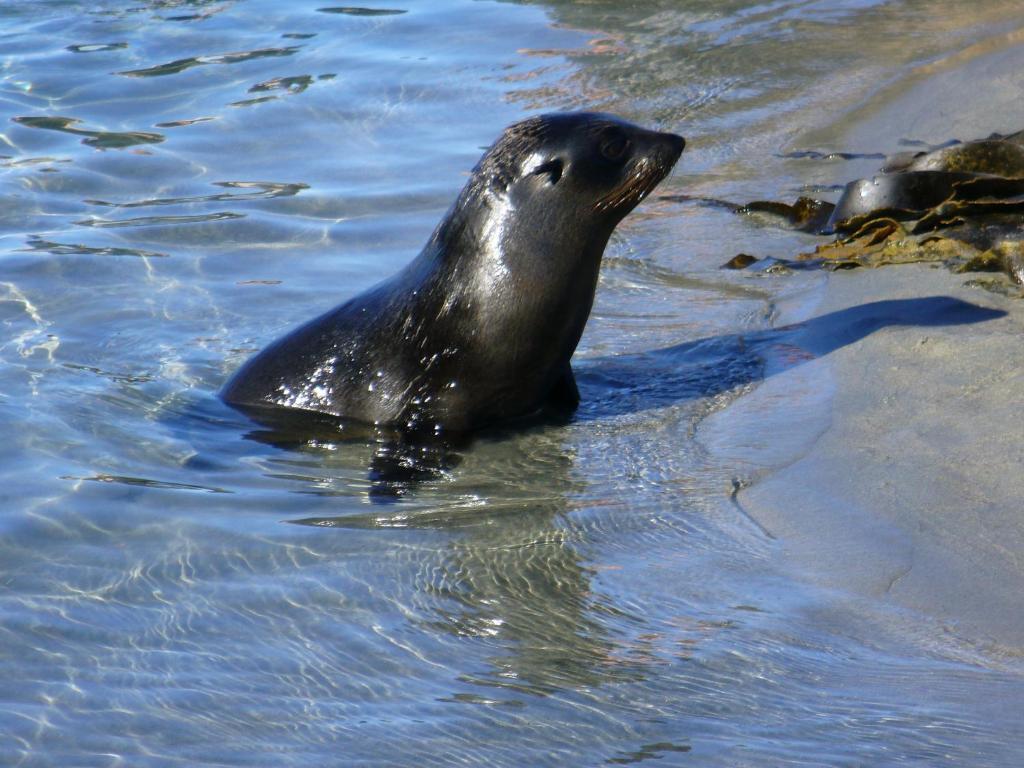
[634,188]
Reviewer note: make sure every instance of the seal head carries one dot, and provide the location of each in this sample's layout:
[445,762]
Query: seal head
[479,328]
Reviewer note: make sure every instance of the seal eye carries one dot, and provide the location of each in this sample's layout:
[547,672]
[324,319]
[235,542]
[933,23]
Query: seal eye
[614,147]
[553,169]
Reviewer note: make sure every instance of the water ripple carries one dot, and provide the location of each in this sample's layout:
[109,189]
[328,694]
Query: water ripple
[77,249]
[96,47]
[356,11]
[185,122]
[144,483]
[180,65]
[148,221]
[293,84]
[264,189]
[98,139]
[10,162]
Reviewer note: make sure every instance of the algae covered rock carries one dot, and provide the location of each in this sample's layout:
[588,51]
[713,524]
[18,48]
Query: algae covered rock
[961,204]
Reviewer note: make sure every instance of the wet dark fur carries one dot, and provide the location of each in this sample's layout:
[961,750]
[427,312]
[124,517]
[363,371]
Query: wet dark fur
[479,328]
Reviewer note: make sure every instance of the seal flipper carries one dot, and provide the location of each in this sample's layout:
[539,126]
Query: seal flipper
[564,396]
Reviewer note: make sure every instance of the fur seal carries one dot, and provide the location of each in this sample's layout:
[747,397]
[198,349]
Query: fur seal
[478,329]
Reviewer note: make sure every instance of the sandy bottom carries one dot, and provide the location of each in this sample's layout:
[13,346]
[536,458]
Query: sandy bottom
[914,493]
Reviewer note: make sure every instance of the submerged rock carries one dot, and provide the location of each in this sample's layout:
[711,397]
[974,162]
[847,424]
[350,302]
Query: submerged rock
[740,261]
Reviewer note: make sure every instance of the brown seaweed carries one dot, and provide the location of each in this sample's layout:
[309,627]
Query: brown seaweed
[740,261]
[961,204]
[806,214]
[989,156]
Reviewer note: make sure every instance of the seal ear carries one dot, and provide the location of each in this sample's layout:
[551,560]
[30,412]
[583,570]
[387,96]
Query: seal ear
[553,169]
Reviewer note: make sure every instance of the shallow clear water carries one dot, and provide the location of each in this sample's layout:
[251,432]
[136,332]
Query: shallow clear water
[183,181]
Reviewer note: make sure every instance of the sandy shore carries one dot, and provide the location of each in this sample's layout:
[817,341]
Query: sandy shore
[914,494]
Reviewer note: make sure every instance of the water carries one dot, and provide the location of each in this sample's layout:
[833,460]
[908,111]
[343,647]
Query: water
[183,181]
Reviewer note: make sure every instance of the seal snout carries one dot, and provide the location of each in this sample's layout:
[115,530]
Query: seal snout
[674,146]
